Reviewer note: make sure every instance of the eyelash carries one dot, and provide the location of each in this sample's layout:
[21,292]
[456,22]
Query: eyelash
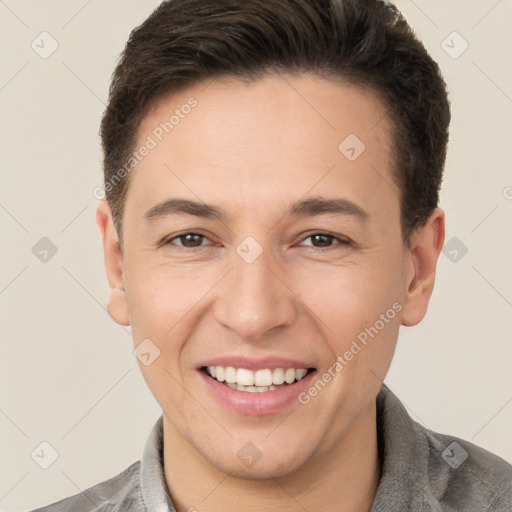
[341,241]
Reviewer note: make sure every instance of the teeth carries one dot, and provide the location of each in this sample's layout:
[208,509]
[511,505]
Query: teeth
[278,376]
[260,380]
[263,378]
[289,375]
[245,377]
[251,389]
[299,374]
[230,375]
[219,373]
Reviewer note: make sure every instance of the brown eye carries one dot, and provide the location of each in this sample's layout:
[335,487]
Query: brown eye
[322,240]
[188,240]
[325,240]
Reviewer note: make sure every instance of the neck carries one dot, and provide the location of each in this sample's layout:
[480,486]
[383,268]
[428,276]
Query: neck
[342,478]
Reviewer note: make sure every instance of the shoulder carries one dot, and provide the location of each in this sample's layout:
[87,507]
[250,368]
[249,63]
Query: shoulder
[425,470]
[121,492]
[464,476]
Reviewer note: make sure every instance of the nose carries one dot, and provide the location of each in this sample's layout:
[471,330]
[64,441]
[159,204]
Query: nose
[254,299]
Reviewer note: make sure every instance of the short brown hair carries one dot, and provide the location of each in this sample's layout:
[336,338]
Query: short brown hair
[364,42]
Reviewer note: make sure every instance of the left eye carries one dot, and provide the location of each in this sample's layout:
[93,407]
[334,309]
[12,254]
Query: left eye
[325,240]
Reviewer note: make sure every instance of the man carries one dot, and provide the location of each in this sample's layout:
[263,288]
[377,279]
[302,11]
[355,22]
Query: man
[272,170]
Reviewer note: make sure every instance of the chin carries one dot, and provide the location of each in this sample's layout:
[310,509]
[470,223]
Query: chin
[252,464]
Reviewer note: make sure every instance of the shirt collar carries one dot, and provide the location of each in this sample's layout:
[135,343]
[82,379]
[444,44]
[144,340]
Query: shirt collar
[405,454]
[152,481]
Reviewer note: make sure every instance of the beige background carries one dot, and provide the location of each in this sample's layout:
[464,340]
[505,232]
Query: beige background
[67,372]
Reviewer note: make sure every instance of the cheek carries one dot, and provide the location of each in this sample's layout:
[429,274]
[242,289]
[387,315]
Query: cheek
[358,308]
[166,306]
[347,299]
[159,297]
[162,308]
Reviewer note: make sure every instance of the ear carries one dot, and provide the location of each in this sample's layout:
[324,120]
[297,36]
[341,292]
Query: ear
[426,245]
[117,305]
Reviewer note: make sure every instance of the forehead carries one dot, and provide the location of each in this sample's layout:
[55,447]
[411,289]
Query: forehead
[266,141]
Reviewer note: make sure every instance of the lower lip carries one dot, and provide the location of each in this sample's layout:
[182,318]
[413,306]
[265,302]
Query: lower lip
[257,403]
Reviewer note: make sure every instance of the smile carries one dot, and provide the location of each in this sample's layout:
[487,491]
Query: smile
[243,379]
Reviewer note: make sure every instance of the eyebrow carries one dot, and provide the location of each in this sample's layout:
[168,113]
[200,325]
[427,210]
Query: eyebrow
[305,208]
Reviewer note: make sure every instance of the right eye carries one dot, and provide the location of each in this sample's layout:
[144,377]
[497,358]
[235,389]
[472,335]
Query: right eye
[188,240]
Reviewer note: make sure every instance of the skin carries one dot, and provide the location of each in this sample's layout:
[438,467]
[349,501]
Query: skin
[253,150]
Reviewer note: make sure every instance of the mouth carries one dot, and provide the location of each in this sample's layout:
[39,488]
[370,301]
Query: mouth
[256,381]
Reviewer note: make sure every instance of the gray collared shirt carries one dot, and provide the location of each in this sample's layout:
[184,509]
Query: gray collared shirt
[422,471]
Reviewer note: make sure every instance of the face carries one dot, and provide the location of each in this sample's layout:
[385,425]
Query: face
[262,234]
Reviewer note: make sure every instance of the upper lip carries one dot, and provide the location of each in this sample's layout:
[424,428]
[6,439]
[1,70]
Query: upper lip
[270,362]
